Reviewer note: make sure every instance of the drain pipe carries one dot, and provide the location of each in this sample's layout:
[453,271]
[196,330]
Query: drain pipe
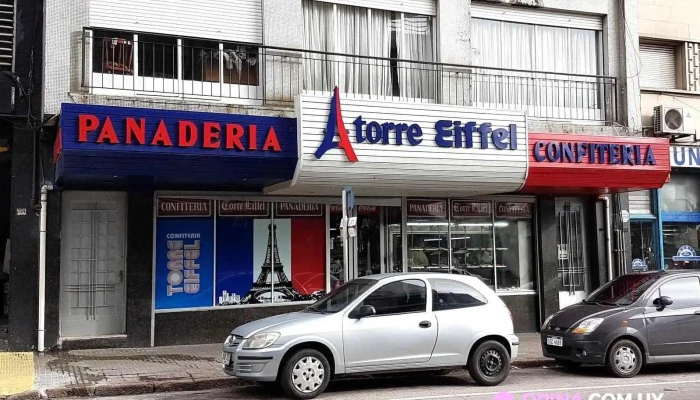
[42,267]
[608,236]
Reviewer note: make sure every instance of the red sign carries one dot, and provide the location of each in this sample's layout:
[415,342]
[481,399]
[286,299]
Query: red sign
[209,135]
[590,164]
[298,210]
[239,208]
[470,209]
[361,210]
[177,207]
[427,208]
[513,210]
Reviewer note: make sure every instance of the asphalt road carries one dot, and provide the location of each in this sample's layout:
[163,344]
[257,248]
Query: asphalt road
[656,383]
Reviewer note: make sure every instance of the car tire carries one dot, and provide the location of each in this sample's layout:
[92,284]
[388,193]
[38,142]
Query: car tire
[489,364]
[305,374]
[624,359]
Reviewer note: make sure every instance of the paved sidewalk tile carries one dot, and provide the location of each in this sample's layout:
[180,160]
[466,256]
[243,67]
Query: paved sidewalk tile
[16,372]
[123,366]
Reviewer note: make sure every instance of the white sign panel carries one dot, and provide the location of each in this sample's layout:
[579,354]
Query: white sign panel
[685,156]
[402,148]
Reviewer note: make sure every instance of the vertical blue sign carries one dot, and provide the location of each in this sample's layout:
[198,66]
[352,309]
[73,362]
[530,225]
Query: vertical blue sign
[184,254]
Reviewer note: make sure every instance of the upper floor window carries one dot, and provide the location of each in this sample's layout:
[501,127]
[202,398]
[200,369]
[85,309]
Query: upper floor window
[384,40]
[512,45]
[162,64]
[658,66]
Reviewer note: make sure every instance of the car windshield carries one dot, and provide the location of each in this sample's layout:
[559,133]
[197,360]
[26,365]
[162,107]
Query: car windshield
[339,298]
[622,291]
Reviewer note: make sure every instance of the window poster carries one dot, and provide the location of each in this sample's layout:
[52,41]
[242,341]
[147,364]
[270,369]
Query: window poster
[184,253]
[265,252]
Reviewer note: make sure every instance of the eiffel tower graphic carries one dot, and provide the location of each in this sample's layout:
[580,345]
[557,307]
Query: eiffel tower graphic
[262,290]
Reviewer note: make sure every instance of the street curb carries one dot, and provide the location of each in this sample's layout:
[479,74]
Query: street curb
[180,385]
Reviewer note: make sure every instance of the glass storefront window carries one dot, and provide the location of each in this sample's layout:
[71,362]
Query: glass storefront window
[513,227]
[471,230]
[642,234]
[241,252]
[681,241]
[427,236]
[681,194]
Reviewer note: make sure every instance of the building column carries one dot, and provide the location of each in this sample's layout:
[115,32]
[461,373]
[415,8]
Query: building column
[454,47]
[548,261]
[283,22]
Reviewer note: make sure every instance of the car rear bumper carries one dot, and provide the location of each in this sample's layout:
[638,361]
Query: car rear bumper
[575,348]
[253,365]
[514,346]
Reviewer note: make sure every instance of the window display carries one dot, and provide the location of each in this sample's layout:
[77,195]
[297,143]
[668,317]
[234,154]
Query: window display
[248,252]
[643,239]
[513,232]
[427,236]
[488,239]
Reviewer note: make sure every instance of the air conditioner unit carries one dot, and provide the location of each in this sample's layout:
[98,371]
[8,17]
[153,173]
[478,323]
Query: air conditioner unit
[669,121]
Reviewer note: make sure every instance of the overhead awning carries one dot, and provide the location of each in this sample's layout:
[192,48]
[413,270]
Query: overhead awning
[166,148]
[395,148]
[589,164]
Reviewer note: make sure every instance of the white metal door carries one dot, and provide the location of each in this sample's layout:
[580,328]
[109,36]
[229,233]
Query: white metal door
[92,263]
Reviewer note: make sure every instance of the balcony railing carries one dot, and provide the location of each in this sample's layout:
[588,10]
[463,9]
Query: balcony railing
[245,74]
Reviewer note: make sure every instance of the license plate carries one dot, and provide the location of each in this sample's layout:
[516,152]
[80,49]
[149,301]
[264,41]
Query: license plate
[555,341]
[226,357]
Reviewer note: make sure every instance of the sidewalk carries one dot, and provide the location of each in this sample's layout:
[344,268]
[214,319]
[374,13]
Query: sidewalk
[113,372]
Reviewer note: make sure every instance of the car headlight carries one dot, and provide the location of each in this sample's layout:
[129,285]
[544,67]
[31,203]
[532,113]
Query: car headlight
[229,340]
[261,340]
[547,321]
[588,326]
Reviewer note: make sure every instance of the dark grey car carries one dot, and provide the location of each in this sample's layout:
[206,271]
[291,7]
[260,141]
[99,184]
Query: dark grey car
[633,320]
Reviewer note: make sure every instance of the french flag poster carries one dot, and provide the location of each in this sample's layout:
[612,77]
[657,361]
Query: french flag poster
[265,255]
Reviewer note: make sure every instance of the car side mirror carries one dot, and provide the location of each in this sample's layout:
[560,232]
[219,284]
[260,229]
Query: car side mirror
[663,302]
[365,311]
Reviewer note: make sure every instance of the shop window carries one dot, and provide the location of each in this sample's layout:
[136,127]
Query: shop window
[472,239]
[513,233]
[398,297]
[427,236]
[451,295]
[681,244]
[681,194]
[643,244]
[263,252]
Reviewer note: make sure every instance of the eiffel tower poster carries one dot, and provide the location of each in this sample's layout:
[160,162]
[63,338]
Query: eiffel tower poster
[272,283]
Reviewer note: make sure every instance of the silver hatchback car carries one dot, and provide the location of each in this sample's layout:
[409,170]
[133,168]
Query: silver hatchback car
[379,324]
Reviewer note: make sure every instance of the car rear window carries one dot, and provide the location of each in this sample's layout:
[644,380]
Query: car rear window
[450,295]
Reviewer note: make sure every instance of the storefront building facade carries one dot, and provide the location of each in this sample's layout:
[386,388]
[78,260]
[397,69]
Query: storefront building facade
[197,171]
[437,189]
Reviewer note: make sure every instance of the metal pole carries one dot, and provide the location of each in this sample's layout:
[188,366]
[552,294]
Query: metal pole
[344,233]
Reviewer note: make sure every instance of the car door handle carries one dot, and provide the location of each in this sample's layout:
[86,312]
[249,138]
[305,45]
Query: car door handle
[425,324]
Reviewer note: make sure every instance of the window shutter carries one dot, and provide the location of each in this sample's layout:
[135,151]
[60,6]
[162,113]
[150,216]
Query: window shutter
[640,202]
[658,70]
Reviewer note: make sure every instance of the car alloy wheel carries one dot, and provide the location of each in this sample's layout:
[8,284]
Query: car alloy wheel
[308,375]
